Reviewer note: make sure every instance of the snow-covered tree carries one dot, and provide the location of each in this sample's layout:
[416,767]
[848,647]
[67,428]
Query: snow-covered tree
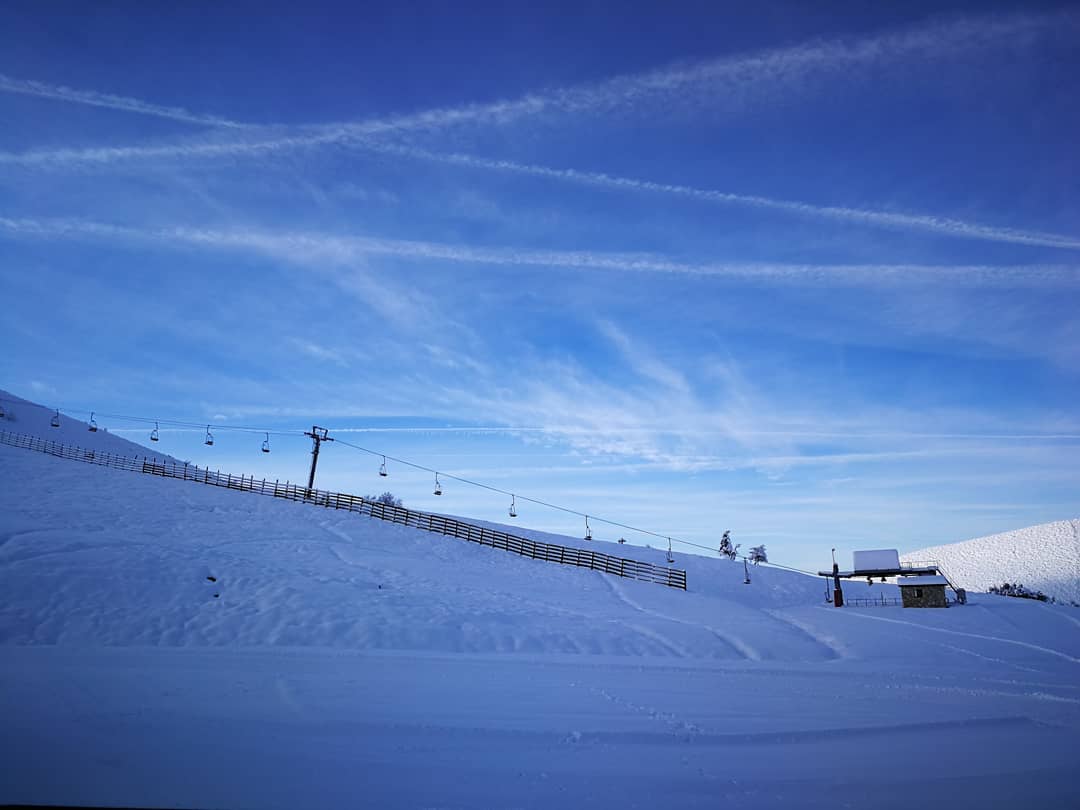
[387,498]
[758,555]
[1019,591]
[726,548]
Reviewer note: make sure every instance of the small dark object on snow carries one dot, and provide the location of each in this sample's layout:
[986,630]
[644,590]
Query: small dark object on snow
[1019,591]
[217,595]
[212,579]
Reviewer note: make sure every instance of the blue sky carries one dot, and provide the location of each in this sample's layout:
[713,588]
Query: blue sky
[810,275]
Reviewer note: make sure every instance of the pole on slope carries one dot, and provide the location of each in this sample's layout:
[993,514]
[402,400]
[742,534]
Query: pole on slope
[318,436]
[838,594]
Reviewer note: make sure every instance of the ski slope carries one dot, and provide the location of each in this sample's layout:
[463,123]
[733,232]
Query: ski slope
[338,660]
[1045,558]
[23,416]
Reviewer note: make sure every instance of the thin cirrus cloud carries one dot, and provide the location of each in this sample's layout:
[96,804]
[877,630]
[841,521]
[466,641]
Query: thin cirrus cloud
[29,87]
[943,226]
[732,75]
[731,79]
[667,426]
[305,248]
[918,222]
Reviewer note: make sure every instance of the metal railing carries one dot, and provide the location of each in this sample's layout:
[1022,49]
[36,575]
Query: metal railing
[881,601]
[534,549]
[932,564]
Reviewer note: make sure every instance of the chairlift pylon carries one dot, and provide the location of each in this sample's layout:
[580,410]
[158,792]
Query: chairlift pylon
[209,437]
[92,425]
[513,511]
[438,486]
[154,433]
[266,444]
[382,468]
[55,421]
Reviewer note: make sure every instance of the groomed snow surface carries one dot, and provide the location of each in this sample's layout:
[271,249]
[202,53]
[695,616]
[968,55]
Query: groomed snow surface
[1044,558]
[336,660]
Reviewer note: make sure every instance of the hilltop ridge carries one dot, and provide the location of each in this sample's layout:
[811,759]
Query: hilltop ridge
[1044,557]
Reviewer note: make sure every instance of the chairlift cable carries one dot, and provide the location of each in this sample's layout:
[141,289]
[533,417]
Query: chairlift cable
[538,502]
[443,475]
[190,424]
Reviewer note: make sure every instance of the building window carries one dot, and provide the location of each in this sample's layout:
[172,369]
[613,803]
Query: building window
[918,593]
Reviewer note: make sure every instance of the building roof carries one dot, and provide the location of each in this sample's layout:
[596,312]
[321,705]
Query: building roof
[882,572]
[909,582]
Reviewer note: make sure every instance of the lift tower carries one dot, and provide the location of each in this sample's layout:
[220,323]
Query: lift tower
[318,436]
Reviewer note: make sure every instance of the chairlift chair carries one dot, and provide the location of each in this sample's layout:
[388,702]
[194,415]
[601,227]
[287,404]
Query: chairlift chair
[209,437]
[513,511]
[154,433]
[92,425]
[55,421]
[266,444]
[2,414]
[438,486]
[382,467]
[670,559]
[588,531]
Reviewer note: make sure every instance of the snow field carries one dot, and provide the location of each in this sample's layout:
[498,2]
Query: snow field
[345,660]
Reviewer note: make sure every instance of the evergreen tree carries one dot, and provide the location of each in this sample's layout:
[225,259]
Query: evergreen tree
[726,548]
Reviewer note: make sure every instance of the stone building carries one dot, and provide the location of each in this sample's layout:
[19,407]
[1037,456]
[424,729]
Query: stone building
[923,592]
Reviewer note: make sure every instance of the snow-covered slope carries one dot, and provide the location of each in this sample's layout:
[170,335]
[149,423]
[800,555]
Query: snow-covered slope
[125,558]
[289,655]
[23,416]
[1045,557]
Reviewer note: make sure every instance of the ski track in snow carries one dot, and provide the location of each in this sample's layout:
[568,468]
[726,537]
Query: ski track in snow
[1059,613]
[734,642]
[1047,650]
[677,727]
[833,646]
[655,638]
[980,656]
[665,643]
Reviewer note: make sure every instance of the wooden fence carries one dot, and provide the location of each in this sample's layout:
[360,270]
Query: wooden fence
[534,549]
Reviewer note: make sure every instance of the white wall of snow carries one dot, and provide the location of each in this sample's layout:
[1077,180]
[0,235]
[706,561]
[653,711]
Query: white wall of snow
[1045,557]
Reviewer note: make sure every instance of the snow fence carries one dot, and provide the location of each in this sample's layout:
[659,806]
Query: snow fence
[548,552]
